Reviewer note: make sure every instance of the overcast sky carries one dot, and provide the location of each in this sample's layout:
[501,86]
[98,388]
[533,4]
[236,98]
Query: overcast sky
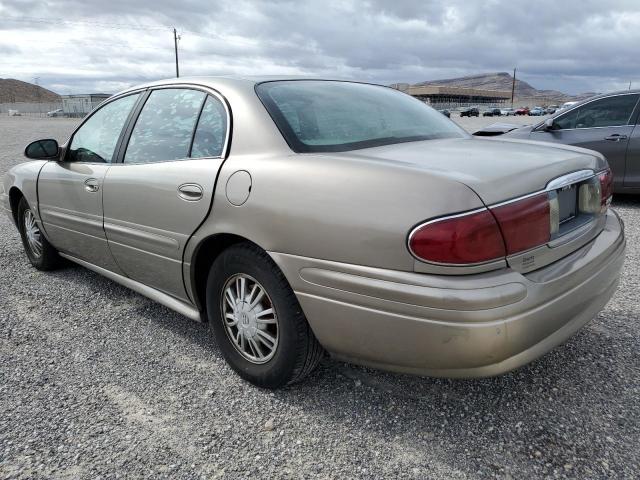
[80,46]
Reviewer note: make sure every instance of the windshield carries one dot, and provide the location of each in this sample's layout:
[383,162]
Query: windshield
[332,116]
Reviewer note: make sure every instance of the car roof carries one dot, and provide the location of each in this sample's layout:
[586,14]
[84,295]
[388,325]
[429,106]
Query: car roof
[237,80]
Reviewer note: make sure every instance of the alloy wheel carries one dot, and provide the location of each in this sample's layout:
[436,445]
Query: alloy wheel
[32,233]
[250,318]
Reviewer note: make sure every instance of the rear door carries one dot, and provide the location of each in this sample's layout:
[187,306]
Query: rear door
[70,190]
[603,125]
[161,189]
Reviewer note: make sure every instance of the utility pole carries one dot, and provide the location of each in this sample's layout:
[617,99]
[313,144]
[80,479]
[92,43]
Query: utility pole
[176,37]
[513,86]
[36,80]
[630,84]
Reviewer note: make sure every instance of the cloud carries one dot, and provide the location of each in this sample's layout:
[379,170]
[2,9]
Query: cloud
[574,45]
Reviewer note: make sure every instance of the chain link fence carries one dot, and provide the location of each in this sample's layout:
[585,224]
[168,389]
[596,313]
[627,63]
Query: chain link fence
[30,109]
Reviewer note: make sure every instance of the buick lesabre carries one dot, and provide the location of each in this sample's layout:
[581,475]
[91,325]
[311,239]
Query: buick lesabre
[299,217]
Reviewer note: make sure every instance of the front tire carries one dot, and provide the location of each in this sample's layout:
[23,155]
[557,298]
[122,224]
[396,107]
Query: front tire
[39,251]
[257,320]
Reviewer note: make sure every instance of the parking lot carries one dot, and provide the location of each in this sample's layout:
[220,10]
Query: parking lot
[97,381]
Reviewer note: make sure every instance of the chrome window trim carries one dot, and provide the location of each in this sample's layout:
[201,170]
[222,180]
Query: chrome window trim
[554,184]
[102,104]
[587,102]
[536,130]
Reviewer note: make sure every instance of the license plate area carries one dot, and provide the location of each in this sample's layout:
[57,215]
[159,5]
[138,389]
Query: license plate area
[567,203]
[570,209]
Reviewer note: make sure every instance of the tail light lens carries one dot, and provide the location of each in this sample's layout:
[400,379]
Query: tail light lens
[463,239]
[606,189]
[493,233]
[524,223]
[485,235]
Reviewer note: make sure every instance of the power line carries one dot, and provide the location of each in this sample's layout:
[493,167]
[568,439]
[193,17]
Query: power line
[62,21]
[94,44]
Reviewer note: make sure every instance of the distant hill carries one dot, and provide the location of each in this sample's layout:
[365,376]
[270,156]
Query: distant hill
[12,91]
[503,81]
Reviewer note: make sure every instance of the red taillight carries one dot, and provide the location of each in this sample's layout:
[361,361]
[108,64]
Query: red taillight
[485,235]
[524,223]
[463,239]
[606,189]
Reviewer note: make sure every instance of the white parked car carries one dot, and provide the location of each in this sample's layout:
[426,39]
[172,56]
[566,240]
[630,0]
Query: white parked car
[56,113]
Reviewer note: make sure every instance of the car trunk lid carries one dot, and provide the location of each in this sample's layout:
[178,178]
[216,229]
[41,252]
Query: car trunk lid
[501,171]
[496,169]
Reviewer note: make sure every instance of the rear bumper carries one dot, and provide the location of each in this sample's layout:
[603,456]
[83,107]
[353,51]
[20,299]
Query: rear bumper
[455,326]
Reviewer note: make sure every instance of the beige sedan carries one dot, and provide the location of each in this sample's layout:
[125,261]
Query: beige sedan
[299,217]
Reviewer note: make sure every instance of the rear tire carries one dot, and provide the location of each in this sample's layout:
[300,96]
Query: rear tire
[257,320]
[39,251]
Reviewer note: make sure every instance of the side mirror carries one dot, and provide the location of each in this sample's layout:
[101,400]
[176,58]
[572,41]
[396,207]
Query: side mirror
[548,124]
[42,149]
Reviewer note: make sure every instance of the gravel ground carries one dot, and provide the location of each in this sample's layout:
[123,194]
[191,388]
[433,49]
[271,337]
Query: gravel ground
[99,382]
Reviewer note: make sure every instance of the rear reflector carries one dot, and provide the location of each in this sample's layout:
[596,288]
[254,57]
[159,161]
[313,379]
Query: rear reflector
[606,189]
[524,223]
[462,239]
[590,196]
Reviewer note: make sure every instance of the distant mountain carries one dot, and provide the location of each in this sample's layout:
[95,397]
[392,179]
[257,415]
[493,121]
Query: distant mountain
[12,91]
[503,81]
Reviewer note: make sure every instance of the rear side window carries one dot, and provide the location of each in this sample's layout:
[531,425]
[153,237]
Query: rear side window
[211,132]
[165,126]
[95,141]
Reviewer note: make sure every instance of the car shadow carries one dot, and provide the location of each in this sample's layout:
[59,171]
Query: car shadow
[625,200]
[530,412]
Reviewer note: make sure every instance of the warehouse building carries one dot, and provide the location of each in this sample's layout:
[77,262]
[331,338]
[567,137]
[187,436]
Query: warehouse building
[441,96]
[80,105]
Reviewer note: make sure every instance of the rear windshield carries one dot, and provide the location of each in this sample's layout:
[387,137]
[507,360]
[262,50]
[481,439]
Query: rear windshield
[330,116]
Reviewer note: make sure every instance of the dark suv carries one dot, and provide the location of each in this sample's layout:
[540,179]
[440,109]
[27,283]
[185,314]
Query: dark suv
[470,112]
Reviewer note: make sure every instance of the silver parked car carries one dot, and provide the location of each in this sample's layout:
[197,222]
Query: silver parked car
[303,216]
[606,123]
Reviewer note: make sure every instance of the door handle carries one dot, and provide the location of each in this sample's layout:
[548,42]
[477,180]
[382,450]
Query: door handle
[91,185]
[616,137]
[191,192]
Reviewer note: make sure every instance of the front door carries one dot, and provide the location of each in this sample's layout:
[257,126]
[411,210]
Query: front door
[604,125]
[70,190]
[162,189]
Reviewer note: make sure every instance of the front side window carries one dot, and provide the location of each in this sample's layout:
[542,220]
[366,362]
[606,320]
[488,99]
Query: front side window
[96,140]
[330,116]
[607,112]
[208,141]
[165,126]
[566,121]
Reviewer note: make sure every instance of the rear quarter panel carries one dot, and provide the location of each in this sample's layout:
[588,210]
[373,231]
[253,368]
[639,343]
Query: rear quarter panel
[318,206]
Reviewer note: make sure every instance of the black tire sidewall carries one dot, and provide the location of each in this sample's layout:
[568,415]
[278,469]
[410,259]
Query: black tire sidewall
[36,261]
[280,368]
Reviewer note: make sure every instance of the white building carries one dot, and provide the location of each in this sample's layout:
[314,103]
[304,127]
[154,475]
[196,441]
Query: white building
[80,105]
